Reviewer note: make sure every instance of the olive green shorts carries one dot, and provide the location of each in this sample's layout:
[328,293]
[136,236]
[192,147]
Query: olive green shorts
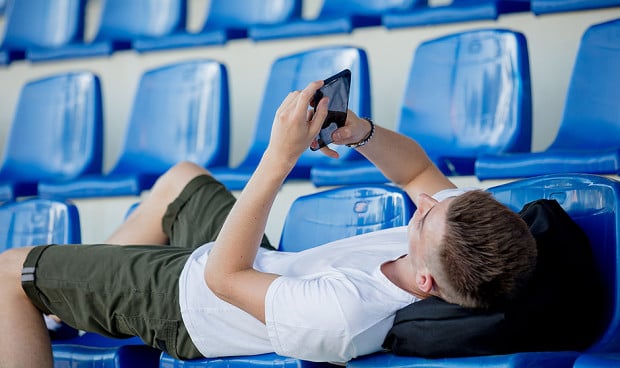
[123,291]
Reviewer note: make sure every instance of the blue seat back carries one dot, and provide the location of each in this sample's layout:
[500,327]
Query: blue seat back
[294,72]
[591,118]
[366,7]
[469,93]
[38,221]
[180,113]
[57,129]
[244,13]
[43,23]
[342,212]
[126,20]
[593,202]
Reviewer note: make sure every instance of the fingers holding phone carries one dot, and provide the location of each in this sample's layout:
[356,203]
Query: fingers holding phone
[336,88]
[294,127]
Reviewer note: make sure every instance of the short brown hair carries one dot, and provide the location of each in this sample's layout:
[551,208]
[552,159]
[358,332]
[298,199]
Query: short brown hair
[487,253]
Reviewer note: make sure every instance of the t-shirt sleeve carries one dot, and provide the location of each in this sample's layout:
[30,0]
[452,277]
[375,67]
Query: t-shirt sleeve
[305,318]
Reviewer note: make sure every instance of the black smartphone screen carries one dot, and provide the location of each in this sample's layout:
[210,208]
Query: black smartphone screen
[336,88]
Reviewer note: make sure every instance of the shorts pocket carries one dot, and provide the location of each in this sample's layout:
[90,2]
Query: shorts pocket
[158,333]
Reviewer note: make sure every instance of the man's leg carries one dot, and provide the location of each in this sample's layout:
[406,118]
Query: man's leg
[144,225]
[24,341]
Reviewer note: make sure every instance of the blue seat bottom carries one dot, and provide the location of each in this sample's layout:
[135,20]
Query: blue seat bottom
[554,6]
[185,40]
[92,350]
[553,161]
[99,186]
[308,28]
[531,359]
[355,172]
[271,360]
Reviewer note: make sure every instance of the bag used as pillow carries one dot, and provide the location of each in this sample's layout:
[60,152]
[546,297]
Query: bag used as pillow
[563,307]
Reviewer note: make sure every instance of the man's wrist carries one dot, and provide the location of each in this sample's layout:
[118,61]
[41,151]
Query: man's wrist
[368,136]
[278,161]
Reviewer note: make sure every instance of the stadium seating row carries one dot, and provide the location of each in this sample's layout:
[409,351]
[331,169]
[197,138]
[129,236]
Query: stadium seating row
[591,200]
[39,30]
[467,102]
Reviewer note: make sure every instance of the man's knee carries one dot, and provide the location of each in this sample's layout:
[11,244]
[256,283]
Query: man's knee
[177,177]
[11,263]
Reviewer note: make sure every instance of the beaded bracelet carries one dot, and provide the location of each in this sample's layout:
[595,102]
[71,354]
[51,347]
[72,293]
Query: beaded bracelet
[365,140]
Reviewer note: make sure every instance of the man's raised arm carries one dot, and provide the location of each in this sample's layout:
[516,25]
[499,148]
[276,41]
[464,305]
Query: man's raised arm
[229,272]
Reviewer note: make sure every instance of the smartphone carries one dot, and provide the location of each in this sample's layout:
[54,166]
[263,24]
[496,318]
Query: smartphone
[336,88]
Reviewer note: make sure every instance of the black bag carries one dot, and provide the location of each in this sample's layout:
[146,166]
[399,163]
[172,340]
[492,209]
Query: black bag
[563,307]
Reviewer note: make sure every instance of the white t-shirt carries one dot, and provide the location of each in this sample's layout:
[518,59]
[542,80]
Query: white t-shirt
[331,303]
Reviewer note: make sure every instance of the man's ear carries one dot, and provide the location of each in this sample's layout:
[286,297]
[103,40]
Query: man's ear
[424,281]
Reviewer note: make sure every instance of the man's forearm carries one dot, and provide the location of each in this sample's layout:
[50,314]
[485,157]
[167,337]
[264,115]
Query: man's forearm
[243,229]
[398,157]
[404,161]
[401,159]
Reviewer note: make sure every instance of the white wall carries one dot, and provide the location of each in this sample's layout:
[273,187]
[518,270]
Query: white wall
[552,41]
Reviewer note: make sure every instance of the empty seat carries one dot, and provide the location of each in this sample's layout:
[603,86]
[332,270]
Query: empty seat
[455,11]
[294,72]
[180,113]
[313,220]
[593,202]
[120,23]
[467,93]
[588,139]
[343,212]
[38,221]
[335,16]
[226,20]
[56,133]
[540,7]
[40,25]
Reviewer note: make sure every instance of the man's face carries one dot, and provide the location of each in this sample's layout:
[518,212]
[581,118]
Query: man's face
[426,229]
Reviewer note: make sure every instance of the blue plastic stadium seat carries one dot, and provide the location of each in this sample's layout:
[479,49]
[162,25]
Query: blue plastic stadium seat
[180,113]
[343,212]
[294,72]
[259,361]
[226,20]
[95,351]
[2,6]
[335,16]
[609,360]
[468,93]
[38,221]
[456,11]
[120,23]
[594,203]
[540,7]
[313,220]
[40,25]
[56,133]
[588,139]
[520,360]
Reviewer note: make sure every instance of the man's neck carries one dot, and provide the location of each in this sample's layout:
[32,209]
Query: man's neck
[401,273]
